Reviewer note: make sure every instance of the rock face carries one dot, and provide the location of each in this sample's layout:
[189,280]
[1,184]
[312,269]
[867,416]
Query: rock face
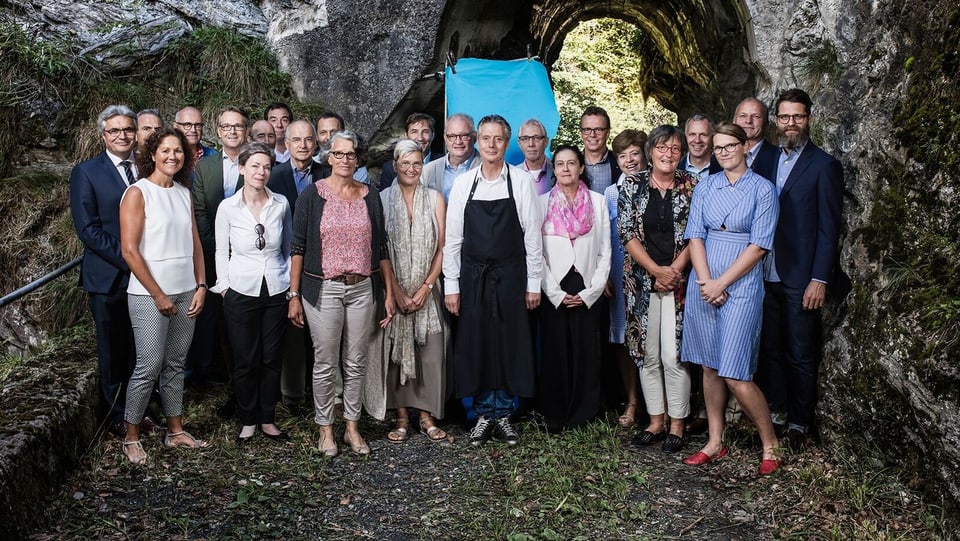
[872,67]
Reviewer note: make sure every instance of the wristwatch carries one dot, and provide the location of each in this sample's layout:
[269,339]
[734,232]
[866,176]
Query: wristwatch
[429,285]
[292,294]
[204,286]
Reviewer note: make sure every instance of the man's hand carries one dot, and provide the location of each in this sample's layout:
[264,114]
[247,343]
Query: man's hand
[533,300]
[814,295]
[452,302]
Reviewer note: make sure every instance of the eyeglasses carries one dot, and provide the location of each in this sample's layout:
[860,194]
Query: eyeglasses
[726,149]
[594,131]
[232,127]
[410,165]
[452,137]
[349,156]
[797,118]
[667,149]
[261,242]
[190,125]
[534,138]
[115,132]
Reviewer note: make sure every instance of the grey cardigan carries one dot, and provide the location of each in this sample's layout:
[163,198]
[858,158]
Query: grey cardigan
[306,243]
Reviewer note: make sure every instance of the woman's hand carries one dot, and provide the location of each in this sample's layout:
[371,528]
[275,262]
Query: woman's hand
[391,309]
[666,276]
[295,311]
[713,292]
[404,303]
[196,303]
[165,305]
[420,297]
[572,301]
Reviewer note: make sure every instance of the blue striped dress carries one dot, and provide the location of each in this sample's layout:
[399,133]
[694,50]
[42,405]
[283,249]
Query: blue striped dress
[618,309]
[728,218]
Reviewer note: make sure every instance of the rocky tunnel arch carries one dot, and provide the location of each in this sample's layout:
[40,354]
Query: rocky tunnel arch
[699,55]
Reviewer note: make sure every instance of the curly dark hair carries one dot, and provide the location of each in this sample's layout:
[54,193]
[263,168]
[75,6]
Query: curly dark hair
[145,164]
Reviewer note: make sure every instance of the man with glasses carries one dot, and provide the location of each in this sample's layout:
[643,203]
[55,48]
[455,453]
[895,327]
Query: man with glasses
[601,167]
[491,266]
[751,115]
[279,115]
[803,261]
[189,122]
[699,161]
[419,128]
[96,187]
[533,142]
[461,156]
[216,177]
[148,121]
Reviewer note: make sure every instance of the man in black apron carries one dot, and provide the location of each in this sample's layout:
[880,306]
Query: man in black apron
[492,264]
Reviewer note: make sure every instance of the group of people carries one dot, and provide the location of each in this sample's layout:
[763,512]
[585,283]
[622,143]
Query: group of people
[463,274]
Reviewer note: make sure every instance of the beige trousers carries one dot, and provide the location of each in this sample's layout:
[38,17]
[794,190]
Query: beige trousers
[661,371]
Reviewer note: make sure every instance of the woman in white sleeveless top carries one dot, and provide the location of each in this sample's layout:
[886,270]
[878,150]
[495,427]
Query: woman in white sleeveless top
[160,243]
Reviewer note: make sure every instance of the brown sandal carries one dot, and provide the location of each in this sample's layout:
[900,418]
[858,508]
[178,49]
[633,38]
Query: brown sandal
[628,419]
[431,430]
[400,432]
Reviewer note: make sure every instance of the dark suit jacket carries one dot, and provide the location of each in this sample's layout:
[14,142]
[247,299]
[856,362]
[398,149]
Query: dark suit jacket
[207,195]
[808,232]
[281,180]
[95,191]
[765,164]
[714,164]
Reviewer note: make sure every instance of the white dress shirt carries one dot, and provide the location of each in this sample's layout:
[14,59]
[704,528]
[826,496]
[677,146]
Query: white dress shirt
[528,210]
[123,174]
[240,265]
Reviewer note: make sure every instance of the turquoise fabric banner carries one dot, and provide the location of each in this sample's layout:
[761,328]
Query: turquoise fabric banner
[514,89]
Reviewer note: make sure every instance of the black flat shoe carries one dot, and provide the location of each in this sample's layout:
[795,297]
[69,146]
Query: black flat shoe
[672,444]
[645,438]
[281,437]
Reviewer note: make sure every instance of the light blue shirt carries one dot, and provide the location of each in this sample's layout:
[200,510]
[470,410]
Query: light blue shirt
[450,173]
[231,175]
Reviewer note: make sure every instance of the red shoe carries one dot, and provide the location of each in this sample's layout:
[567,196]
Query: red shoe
[700,458]
[770,465]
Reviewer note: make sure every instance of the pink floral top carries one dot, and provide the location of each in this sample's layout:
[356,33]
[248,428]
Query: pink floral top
[344,234]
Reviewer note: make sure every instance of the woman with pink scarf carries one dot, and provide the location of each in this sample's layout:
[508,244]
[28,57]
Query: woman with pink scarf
[576,262]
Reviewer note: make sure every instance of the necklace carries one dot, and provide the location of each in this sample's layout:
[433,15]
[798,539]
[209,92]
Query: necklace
[659,186]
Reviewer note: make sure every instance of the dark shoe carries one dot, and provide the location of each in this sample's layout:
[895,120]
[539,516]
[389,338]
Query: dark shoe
[700,458]
[696,426]
[672,444]
[481,431]
[796,439]
[149,424]
[506,432]
[645,438]
[780,430]
[279,438]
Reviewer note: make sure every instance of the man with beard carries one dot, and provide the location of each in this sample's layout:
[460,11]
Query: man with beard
[699,161]
[751,115]
[461,155]
[419,128]
[804,256]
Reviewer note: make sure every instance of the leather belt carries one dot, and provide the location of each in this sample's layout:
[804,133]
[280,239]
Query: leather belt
[348,279]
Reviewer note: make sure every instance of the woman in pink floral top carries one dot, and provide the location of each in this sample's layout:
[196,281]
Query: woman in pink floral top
[341,284]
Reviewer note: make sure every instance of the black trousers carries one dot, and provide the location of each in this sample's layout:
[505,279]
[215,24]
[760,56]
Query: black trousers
[569,389]
[116,355]
[256,326]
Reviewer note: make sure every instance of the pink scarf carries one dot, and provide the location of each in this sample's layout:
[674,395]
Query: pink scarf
[569,219]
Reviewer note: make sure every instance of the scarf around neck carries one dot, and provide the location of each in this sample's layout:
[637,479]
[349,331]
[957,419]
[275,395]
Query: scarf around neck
[569,219]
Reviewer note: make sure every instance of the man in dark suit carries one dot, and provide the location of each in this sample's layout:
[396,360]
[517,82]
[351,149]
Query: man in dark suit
[751,115]
[601,165]
[216,177]
[290,179]
[699,160]
[96,187]
[804,256]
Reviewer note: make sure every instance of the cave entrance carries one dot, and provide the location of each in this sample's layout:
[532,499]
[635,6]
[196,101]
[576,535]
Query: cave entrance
[696,55]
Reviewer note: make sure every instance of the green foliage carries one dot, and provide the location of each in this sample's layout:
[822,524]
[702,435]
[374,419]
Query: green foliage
[819,64]
[600,65]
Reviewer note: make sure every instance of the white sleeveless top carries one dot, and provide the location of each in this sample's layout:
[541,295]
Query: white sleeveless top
[167,241]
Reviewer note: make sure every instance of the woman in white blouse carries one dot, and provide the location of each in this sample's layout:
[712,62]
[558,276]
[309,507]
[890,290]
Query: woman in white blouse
[576,262]
[253,233]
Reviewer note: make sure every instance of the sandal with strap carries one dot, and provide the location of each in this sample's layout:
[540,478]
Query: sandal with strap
[399,434]
[194,442]
[431,430]
[628,419]
[137,455]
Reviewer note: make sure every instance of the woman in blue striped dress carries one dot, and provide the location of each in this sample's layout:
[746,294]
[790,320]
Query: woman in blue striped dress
[733,216]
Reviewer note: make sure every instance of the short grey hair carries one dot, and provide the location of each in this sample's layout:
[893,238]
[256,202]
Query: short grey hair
[535,123]
[404,147]
[497,119]
[345,134]
[255,148]
[462,116]
[698,117]
[154,112]
[111,111]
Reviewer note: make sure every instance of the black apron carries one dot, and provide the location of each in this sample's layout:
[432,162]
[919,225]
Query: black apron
[493,348]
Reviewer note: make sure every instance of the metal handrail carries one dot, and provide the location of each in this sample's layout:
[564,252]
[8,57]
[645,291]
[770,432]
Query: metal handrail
[39,282]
